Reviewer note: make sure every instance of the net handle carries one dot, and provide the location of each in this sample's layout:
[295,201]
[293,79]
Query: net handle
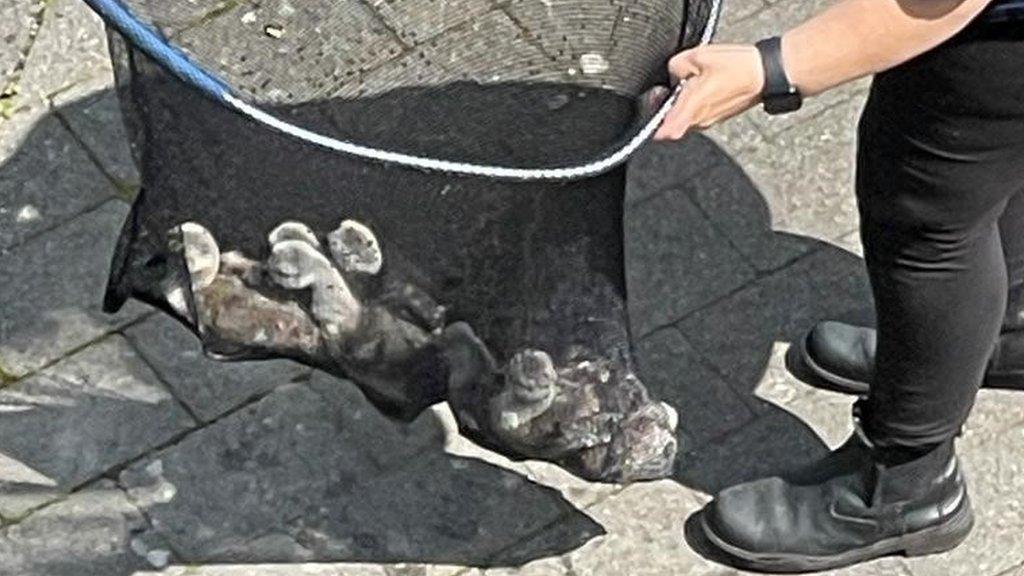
[171,58]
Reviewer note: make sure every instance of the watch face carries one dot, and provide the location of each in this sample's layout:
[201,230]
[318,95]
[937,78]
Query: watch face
[782,103]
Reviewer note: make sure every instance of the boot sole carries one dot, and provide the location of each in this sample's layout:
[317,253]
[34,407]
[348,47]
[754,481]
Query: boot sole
[933,540]
[830,380]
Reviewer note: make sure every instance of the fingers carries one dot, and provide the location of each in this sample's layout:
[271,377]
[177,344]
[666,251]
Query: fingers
[682,116]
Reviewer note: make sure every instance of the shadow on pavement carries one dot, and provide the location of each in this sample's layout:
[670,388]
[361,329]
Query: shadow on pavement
[715,295]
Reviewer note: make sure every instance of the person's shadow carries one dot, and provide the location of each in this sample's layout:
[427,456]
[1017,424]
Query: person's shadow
[298,475]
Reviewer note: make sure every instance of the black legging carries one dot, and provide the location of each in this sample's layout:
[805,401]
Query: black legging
[940,187]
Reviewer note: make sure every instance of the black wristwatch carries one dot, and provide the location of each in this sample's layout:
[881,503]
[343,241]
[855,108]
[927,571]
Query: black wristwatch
[778,95]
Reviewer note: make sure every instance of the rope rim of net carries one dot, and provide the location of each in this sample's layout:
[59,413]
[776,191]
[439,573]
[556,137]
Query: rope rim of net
[174,60]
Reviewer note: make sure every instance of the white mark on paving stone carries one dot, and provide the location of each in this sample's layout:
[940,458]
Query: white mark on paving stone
[249,17]
[28,213]
[159,491]
[156,557]
[593,64]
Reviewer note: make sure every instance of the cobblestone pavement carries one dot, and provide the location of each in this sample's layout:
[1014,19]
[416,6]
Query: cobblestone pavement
[123,451]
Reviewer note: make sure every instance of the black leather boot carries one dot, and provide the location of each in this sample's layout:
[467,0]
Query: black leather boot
[841,357]
[856,504]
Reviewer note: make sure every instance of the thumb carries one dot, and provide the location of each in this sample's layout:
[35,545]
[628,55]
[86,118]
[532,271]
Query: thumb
[683,65]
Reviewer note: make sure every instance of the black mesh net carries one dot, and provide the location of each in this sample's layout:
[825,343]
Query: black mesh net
[505,299]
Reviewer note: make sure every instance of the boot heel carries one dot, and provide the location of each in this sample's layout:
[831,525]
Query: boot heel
[942,538]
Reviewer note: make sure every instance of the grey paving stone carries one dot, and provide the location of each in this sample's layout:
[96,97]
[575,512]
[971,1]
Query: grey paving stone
[76,419]
[708,406]
[95,119]
[71,47]
[995,414]
[47,180]
[738,333]
[52,291]
[413,69]
[18,19]
[737,208]
[88,534]
[662,166]
[208,387]
[417,21]
[721,189]
[173,17]
[771,444]
[735,11]
[827,413]
[619,32]
[306,61]
[290,569]
[677,260]
[806,174]
[644,537]
[739,135]
[531,554]
[300,476]
[776,18]
[468,52]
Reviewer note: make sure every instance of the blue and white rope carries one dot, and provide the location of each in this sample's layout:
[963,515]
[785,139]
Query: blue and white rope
[153,44]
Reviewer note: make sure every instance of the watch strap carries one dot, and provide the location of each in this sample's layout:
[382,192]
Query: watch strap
[778,94]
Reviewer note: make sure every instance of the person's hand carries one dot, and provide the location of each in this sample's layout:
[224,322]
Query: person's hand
[722,80]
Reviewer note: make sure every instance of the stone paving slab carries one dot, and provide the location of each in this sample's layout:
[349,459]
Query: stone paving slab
[417,21]
[734,11]
[806,173]
[93,114]
[268,68]
[53,286]
[618,34]
[46,182]
[208,387]
[737,333]
[18,25]
[677,259]
[88,534]
[52,294]
[71,47]
[45,176]
[78,418]
[372,490]
[708,405]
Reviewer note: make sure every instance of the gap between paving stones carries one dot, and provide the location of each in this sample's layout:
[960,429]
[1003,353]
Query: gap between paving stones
[28,238]
[9,90]
[124,192]
[72,351]
[758,276]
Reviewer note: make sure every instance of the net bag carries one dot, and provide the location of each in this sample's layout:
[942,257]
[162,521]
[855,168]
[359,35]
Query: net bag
[498,288]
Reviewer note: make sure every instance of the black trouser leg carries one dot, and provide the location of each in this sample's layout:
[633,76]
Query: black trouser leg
[940,164]
[1011,231]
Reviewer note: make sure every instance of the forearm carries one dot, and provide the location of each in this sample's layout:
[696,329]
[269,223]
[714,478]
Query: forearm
[855,38]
